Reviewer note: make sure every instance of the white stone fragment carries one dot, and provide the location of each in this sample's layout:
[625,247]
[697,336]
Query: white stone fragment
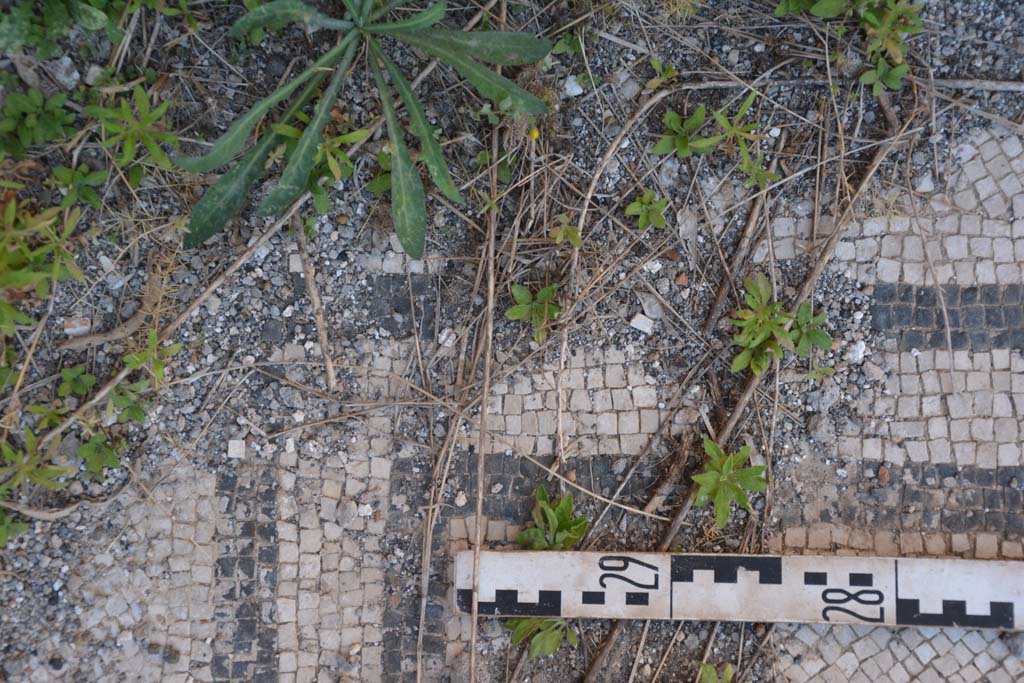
[642,322]
[236,449]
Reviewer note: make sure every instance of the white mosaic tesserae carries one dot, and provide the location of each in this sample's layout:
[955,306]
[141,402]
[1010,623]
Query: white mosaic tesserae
[762,588]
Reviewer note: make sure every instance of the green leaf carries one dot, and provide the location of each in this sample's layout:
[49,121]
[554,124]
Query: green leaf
[869,77]
[296,175]
[424,19]
[408,204]
[519,312]
[666,145]
[722,503]
[820,339]
[280,12]
[545,643]
[232,142]
[492,47]
[522,295]
[713,449]
[225,197]
[429,147]
[532,538]
[491,85]
[828,9]
[742,360]
[547,294]
[88,16]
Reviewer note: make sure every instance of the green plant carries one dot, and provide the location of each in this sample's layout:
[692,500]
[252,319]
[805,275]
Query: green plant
[126,399]
[569,43]
[554,527]
[359,26]
[97,454]
[754,169]
[154,356]
[28,465]
[48,416]
[681,136]
[818,373]
[886,23]
[725,480]
[75,381]
[649,210]
[709,674]
[9,528]
[664,74]
[763,332]
[806,332]
[564,231]
[30,119]
[538,311]
[546,634]
[734,131]
[884,76]
[40,24]
[78,184]
[34,254]
[127,128]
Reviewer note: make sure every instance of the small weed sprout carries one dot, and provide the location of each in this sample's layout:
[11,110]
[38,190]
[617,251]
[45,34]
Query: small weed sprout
[31,119]
[97,454]
[539,310]
[154,358]
[709,674]
[79,185]
[649,210]
[664,74]
[807,333]
[564,231]
[75,381]
[128,128]
[554,528]
[763,333]
[681,136]
[725,480]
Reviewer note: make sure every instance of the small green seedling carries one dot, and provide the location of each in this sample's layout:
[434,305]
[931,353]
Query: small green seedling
[554,527]
[887,25]
[380,185]
[884,76]
[709,674]
[9,528]
[546,634]
[538,311]
[127,128]
[48,417]
[569,44]
[27,466]
[681,136]
[97,454]
[725,480]
[664,74]
[564,231]
[154,357]
[31,119]
[734,131]
[818,373]
[649,210]
[807,333]
[75,381]
[126,399]
[34,254]
[763,332]
[754,169]
[78,184]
